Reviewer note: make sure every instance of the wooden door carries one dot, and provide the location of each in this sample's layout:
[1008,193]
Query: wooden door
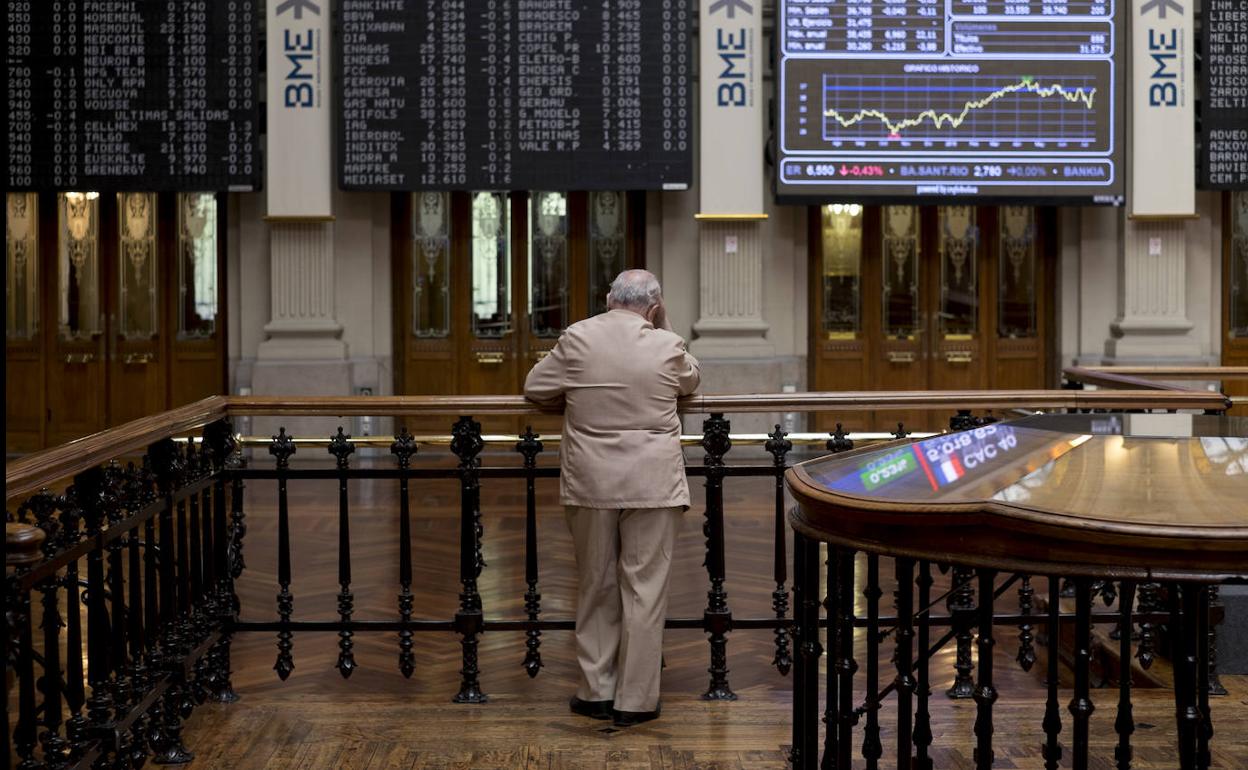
[27,233]
[933,298]
[115,310]
[76,355]
[1235,291]
[485,283]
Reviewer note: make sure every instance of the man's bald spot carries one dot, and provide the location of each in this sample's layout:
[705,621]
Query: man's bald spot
[636,290]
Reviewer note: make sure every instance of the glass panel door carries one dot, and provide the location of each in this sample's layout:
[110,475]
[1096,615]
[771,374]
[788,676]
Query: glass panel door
[491,265]
[900,271]
[136,265]
[197,265]
[842,270]
[957,238]
[431,248]
[22,266]
[608,212]
[548,264]
[78,285]
[1016,272]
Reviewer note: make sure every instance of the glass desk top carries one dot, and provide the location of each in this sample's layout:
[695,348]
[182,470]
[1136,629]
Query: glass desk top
[1138,468]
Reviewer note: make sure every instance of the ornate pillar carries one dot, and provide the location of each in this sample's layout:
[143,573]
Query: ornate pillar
[730,291]
[1152,320]
[301,323]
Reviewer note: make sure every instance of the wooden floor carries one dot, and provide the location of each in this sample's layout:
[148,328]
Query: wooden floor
[378,719]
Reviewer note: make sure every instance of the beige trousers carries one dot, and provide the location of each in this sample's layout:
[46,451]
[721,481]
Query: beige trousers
[623,559]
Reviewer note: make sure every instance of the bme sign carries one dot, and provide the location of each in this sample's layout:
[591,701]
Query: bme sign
[1163,120]
[730,102]
[299,182]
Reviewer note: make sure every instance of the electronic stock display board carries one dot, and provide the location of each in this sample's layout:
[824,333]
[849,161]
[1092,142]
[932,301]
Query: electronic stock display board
[124,95]
[1224,95]
[515,94]
[1012,99]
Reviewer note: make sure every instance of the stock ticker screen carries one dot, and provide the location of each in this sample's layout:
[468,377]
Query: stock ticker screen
[1012,99]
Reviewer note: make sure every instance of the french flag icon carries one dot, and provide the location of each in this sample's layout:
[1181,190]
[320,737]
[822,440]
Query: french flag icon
[951,469]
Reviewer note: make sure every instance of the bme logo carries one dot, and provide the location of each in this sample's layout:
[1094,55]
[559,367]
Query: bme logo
[1165,47]
[302,49]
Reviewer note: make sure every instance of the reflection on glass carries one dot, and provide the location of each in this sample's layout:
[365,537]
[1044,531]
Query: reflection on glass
[197,265]
[431,247]
[901,270]
[491,265]
[548,263]
[22,266]
[136,264]
[1016,272]
[607,217]
[1227,455]
[842,269]
[1239,264]
[78,269]
[959,296]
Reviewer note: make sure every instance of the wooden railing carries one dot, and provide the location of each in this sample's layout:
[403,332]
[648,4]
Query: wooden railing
[161,542]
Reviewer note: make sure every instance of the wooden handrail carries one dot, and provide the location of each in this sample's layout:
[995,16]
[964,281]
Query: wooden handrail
[1177,372]
[1106,377]
[28,474]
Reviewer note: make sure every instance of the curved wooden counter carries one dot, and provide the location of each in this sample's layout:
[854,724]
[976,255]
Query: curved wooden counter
[1132,496]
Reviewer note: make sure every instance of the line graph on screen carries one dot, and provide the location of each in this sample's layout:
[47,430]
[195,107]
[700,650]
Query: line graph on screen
[1002,108]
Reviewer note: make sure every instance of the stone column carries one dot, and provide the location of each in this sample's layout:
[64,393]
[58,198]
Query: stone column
[1152,323]
[301,268]
[304,354]
[730,298]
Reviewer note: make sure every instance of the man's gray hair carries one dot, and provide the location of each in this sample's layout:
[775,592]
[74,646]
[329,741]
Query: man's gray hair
[634,289]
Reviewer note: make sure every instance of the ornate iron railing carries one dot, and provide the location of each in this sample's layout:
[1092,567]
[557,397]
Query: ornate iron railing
[161,540]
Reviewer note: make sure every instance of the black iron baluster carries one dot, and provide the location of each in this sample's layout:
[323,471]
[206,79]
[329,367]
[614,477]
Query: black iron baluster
[846,666]
[89,488]
[1124,724]
[530,447]
[282,447]
[114,494]
[1150,602]
[1052,750]
[54,746]
[840,440]
[922,716]
[961,605]
[225,455]
[403,448]
[872,749]
[1204,731]
[195,578]
[805,752]
[1026,640]
[1183,627]
[717,618]
[903,656]
[985,693]
[466,444]
[1215,603]
[25,733]
[340,447]
[1081,706]
[75,690]
[797,758]
[831,698]
[779,447]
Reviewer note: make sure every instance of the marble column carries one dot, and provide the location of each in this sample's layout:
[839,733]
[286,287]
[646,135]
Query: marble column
[730,291]
[303,354]
[1152,322]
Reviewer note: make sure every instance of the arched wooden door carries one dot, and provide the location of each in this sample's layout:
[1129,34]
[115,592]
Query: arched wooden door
[485,282]
[928,298]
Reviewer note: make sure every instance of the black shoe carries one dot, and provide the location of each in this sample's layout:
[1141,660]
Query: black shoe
[630,718]
[594,709]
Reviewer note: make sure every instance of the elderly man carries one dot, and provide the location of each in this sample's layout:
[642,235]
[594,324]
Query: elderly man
[623,485]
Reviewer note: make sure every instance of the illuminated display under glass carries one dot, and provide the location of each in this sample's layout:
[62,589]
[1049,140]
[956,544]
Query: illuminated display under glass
[946,98]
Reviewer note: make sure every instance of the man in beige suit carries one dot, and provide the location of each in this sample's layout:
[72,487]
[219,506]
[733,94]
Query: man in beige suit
[618,375]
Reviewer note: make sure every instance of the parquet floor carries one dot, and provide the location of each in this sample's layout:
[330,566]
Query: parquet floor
[378,719]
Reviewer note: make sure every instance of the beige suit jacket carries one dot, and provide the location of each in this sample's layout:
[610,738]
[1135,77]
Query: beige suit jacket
[619,378]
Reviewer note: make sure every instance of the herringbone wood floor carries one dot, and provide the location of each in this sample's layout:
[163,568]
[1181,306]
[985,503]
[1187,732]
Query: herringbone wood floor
[379,719]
